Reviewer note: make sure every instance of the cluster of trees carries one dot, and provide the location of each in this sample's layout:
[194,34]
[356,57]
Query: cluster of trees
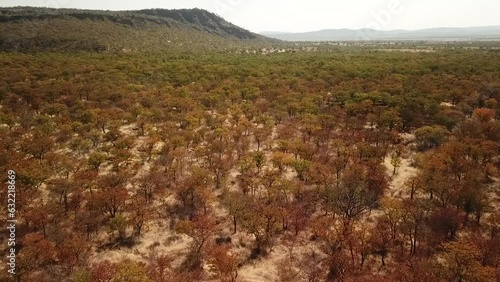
[290,152]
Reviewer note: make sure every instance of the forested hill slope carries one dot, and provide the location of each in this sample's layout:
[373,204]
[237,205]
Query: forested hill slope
[41,29]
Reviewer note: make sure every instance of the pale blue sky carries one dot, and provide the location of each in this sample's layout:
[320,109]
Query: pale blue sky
[299,15]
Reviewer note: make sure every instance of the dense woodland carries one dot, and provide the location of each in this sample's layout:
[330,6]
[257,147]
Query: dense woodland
[285,162]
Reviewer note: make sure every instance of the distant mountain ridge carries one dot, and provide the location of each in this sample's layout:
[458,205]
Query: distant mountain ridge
[38,29]
[446,34]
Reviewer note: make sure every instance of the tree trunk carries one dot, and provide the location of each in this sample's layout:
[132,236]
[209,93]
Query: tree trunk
[234,224]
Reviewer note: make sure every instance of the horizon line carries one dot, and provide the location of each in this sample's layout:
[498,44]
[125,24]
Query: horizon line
[358,29]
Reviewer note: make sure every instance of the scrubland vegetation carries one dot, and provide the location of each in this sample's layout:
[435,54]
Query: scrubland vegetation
[342,166]
[337,162]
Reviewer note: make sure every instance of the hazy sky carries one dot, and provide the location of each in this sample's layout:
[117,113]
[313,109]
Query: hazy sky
[311,15]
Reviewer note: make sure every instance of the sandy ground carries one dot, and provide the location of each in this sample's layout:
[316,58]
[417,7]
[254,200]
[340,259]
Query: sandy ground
[493,193]
[446,104]
[397,183]
[156,237]
[263,269]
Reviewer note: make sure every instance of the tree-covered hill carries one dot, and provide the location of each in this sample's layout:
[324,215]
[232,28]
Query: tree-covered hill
[40,29]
